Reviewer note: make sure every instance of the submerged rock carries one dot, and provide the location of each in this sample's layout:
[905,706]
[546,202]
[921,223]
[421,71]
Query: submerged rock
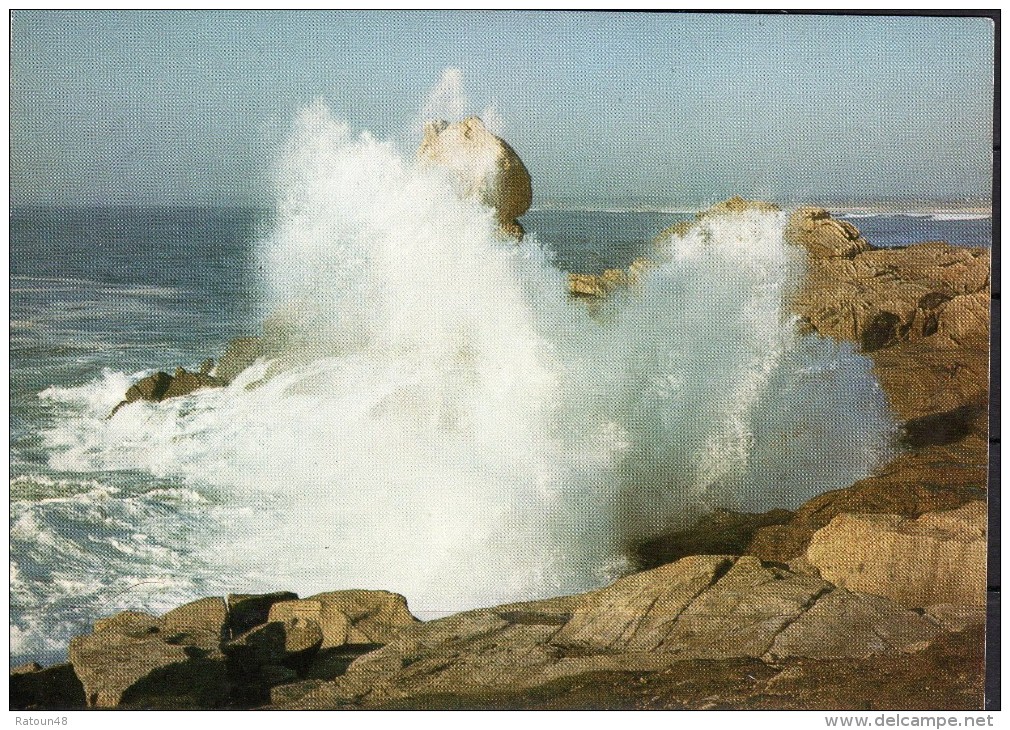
[485,165]
[158,387]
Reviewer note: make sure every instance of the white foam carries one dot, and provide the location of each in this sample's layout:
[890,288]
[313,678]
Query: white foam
[447,424]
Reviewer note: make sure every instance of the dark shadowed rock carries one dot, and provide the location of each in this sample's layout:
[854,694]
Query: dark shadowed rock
[52,688]
[247,610]
[152,388]
[158,387]
[185,382]
[290,642]
[722,532]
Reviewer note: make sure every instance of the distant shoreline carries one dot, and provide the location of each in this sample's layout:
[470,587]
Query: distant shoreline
[849,211]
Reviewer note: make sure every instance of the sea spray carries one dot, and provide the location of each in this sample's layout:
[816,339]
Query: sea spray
[443,421]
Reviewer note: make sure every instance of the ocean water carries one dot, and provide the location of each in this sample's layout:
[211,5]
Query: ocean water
[442,421]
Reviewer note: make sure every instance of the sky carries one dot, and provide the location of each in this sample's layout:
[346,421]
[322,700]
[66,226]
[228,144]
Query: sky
[193,107]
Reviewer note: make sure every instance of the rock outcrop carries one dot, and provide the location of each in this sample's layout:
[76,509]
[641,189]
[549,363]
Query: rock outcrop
[921,313]
[349,617]
[160,386]
[215,653]
[240,353]
[746,631]
[135,659]
[700,609]
[485,166]
[824,236]
[939,558]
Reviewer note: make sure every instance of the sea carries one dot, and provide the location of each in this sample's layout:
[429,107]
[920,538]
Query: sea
[445,423]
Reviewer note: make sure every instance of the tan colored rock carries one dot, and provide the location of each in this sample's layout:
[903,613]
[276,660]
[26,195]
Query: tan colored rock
[355,617]
[699,612]
[486,167]
[845,624]
[963,317]
[333,623]
[638,612]
[130,660]
[824,236]
[26,668]
[206,614]
[937,558]
[878,298]
[742,613]
[952,617]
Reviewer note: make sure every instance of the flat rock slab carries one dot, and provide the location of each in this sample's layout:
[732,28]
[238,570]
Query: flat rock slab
[852,625]
[742,613]
[638,612]
[938,558]
[702,608]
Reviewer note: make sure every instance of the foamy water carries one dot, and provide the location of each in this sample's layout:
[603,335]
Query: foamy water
[446,423]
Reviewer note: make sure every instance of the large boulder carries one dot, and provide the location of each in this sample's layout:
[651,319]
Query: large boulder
[247,610]
[350,617]
[485,166]
[938,558]
[138,660]
[824,236]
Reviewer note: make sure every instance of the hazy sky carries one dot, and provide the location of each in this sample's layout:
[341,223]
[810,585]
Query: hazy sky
[191,106]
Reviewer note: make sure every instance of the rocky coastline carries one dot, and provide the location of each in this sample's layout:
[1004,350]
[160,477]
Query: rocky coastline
[868,597]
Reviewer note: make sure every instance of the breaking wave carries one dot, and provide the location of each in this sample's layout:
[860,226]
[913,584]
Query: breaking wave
[442,420]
